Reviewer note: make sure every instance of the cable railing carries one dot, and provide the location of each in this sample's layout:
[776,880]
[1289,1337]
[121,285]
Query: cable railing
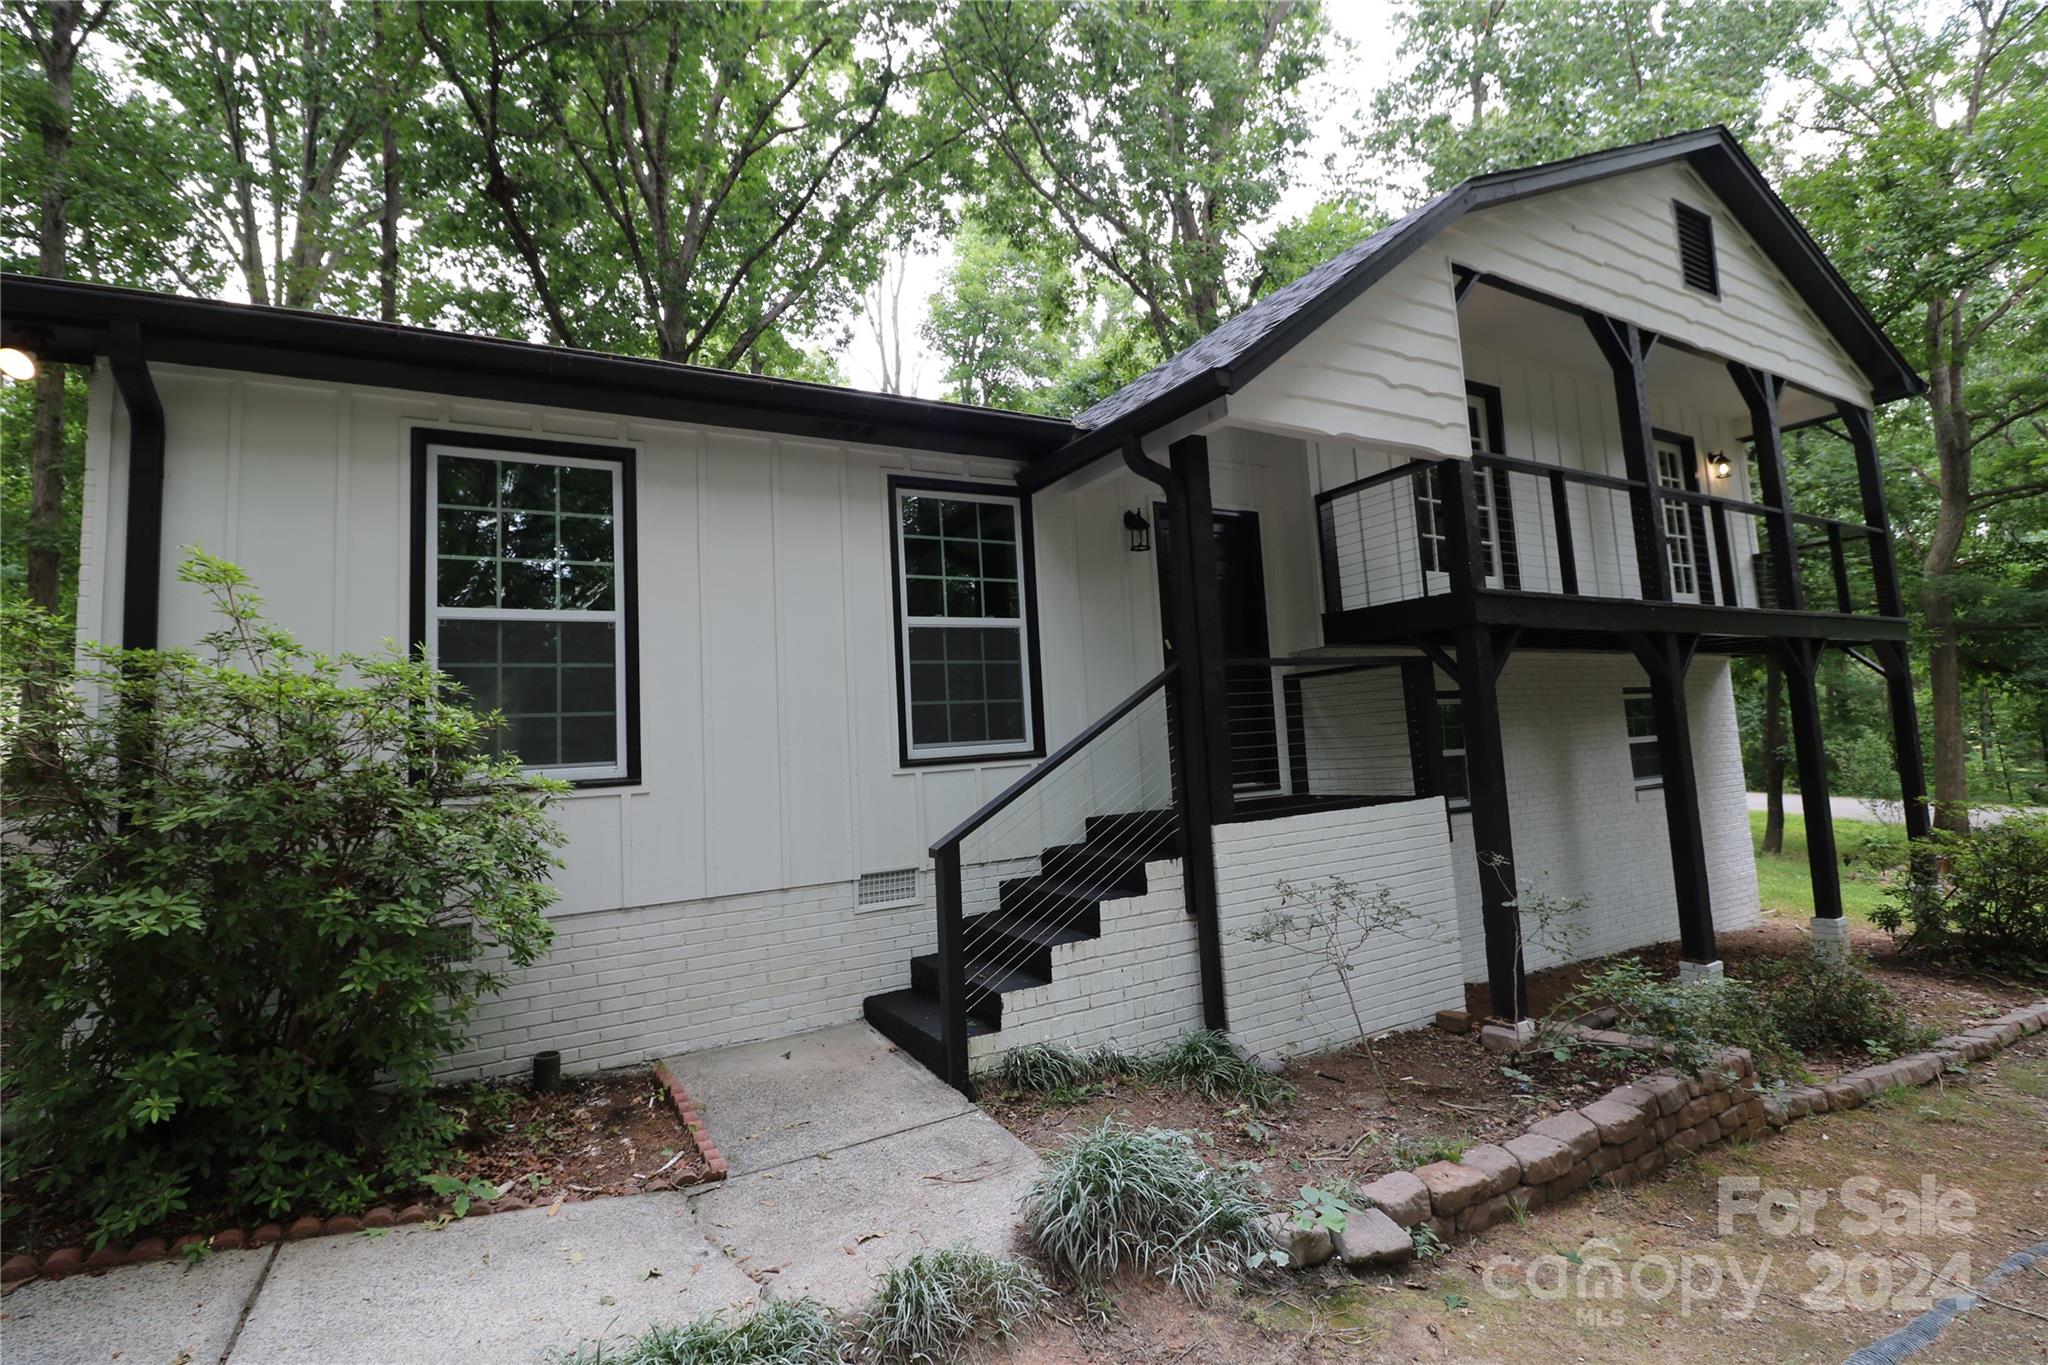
[1541,528]
[1028,871]
[1322,730]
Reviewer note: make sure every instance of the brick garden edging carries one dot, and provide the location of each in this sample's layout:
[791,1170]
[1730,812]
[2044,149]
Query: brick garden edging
[1631,1132]
[686,1110]
[72,1260]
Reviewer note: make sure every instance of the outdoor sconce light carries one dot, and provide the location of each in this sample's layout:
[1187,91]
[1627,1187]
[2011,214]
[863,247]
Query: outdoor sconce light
[17,364]
[1720,465]
[1140,531]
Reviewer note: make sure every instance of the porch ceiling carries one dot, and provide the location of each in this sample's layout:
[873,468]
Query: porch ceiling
[1525,329]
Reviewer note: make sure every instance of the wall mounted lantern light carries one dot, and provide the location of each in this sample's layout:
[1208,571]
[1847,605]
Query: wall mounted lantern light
[1139,531]
[1720,465]
[17,364]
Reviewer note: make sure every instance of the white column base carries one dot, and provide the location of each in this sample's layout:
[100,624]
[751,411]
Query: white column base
[1693,973]
[1831,938]
[1508,1039]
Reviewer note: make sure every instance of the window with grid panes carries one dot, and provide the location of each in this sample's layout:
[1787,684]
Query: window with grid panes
[963,651]
[527,609]
[1450,715]
[1645,760]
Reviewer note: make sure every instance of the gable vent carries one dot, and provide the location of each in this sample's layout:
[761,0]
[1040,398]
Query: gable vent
[1696,250]
[895,887]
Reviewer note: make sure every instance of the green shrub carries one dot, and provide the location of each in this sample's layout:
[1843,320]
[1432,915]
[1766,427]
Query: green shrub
[785,1332]
[1989,908]
[1052,1068]
[937,1302]
[1825,1005]
[246,902]
[1116,1201]
[1695,1021]
[1209,1064]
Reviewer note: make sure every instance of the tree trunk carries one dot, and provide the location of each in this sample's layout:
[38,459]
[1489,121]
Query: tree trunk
[59,54]
[1774,758]
[387,264]
[1952,448]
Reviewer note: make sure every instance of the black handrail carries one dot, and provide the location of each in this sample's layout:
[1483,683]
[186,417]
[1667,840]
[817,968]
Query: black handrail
[1053,760]
[946,882]
[1373,480]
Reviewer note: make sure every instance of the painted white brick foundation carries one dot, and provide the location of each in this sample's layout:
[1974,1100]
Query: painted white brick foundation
[1136,986]
[1282,1001]
[1581,826]
[624,985]
[621,986]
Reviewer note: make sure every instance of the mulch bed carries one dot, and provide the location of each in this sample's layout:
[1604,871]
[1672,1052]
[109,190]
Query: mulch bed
[1942,998]
[610,1133]
[1354,1121]
[1345,1124]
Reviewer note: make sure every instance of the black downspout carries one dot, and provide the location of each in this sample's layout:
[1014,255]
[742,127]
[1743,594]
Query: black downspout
[142,577]
[1191,766]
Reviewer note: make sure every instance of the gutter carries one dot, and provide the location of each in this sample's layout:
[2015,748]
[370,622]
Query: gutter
[142,571]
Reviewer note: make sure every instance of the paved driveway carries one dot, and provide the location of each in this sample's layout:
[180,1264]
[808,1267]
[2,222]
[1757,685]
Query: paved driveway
[845,1157]
[1882,812]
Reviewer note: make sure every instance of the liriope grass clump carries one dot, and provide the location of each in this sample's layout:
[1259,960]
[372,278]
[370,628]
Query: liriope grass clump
[1055,1068]
[1117,1201]
[786,1332]
[1209,1064]
[1205,1062]
[938,1302]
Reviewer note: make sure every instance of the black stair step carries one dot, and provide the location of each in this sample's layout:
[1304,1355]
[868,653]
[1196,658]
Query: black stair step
[1023,945]
[986,983]
[1135,834]
[1065,899]
[1118,871]
[910,1019]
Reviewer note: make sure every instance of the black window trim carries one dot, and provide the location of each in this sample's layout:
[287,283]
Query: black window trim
[1678,219]
[1654,739]
[1455,805]
[1507,560]
[629,571]
[1028,575]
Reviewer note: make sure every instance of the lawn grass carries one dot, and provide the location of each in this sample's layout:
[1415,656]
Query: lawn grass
[1784,884]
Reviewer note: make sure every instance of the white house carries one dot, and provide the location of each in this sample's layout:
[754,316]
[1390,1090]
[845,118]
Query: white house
[1423,572]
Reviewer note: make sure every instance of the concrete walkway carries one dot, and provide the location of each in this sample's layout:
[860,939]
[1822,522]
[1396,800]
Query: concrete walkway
[845,1157]
[1882,812]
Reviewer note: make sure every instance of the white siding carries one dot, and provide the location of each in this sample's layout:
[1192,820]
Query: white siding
[768,683]
[1612,244]
[1581,827]
[1385,369]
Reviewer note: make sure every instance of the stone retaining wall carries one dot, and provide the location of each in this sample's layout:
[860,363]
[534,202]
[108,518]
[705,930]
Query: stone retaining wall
[1633,1131]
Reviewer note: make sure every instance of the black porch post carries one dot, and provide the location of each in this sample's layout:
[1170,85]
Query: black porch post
[1801,661]
[1627,348]
[1898,668]
[1760,393]
[1480,658]
[1666,658]
[1200,730]
[1898,685]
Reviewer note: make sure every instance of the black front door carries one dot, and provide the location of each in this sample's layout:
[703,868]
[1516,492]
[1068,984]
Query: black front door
[1241,587]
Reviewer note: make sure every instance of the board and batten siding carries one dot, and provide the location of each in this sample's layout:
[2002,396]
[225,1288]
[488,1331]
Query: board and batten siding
[1612,245]
[767,631]
[768,707]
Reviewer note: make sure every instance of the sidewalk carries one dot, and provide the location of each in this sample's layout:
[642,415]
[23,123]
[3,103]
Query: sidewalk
[845,1157]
